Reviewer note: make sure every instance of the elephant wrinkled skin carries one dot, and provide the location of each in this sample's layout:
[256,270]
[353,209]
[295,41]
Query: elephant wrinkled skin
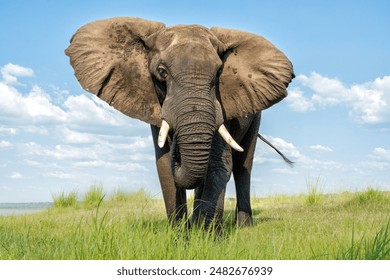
[196,82]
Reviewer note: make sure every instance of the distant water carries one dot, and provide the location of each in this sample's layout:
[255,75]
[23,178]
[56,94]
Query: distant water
[11,209]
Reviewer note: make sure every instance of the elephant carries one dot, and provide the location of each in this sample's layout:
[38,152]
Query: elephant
[193,85]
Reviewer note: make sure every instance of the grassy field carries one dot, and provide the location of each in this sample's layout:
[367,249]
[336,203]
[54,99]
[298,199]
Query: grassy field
[134,226]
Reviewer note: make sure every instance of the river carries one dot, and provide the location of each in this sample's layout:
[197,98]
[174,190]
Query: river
[11,209]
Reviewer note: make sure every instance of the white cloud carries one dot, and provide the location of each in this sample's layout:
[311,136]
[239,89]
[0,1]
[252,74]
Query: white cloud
[133,144]
[326,91]
[83,109]
[298,102]
[37,129]
[37,104]
[379,159]
[60,175]
[5,144]
[380,154]
[308,162]
[39,163]
[74,137]
[8,130]
[322,164]
[61,152]
[10,72]
[284,171]
[112,165]
[15,175]
[97,153]
[37,107]
[367,102]
[320,148]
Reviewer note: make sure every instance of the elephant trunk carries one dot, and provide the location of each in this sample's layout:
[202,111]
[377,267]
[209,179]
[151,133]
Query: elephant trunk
[194,129]
[190,158]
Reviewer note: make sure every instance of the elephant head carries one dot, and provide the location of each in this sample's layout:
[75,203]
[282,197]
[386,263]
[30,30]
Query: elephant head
[187,78]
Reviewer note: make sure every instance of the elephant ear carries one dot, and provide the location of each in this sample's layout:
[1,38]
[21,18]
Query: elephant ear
[110,60]
[255,73]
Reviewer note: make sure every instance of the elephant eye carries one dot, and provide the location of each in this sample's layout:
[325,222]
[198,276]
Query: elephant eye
[162,72]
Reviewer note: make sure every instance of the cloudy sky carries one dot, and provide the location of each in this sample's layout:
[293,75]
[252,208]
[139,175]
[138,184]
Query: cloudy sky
[335,123]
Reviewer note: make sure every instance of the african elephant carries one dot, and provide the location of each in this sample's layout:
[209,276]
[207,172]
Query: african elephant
[188,82]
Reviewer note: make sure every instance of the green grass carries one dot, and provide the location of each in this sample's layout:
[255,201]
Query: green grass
[376,248]
[134,226]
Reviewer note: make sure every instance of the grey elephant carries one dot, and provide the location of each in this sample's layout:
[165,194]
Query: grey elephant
[192,85]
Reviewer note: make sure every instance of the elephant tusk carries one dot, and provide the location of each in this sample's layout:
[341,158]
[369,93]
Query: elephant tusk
[162,135]
[229,139]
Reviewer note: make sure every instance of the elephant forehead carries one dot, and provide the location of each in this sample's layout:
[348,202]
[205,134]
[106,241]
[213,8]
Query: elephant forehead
[188,46]
[188,34]
[193,56]
[194,51]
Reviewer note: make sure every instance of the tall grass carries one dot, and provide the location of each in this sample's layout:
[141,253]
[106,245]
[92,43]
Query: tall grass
[94,196]
[369,198]
[370,195]
[134,226]
[314,187]
[119,196]
[64,200]
[368,248]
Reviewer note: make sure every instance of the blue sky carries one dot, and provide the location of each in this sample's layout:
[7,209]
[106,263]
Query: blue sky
[335,123]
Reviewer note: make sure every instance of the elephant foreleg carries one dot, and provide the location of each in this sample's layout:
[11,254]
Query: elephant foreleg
[242,168]
[175,199]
